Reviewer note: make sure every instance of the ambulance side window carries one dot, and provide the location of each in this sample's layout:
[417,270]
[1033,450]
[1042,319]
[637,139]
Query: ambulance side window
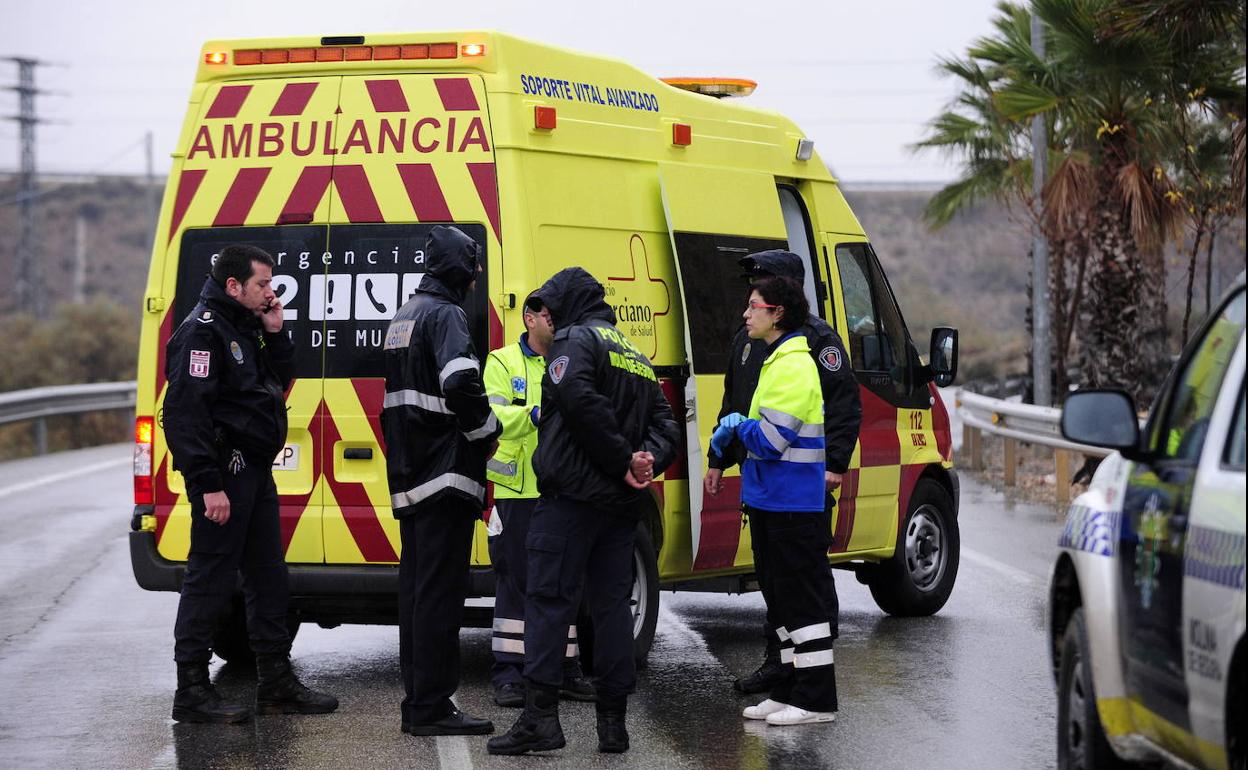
[797,227]
[877,334]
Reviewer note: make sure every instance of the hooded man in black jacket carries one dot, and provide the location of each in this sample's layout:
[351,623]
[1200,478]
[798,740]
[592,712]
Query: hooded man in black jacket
[605,431]
[439,431]
[842,416]
[224,415]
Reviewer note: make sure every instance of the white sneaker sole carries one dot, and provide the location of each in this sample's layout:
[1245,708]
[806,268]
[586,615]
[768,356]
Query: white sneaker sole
[810,719]
[760,715]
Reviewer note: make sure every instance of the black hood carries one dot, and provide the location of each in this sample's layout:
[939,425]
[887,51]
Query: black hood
[215,297]
[779,262]
[574,296]
[451,260]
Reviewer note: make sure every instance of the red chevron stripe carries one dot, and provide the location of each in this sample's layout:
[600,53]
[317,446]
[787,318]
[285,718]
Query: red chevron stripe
[940,424]
[424,192]
[846,509]
[486,180]
[878,435]
[356,194]
[228,102]
[456,94]
[371,391]
[188,185]
[306,195]
[387,95]
[241,197]
[293,99]
[357,510]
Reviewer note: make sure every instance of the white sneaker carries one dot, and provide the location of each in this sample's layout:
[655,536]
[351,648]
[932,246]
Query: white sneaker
[792,715]
[764,709]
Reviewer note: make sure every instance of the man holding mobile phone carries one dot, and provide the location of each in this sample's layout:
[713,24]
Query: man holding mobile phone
[224,416]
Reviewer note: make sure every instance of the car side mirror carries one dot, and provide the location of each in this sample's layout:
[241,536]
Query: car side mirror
[943,356]
[1104,418]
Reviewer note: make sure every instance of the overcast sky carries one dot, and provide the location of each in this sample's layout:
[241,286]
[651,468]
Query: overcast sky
[856,76]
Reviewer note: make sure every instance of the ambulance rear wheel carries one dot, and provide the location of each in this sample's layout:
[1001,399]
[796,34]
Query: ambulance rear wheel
[230,641]
[643,602]
[919,577]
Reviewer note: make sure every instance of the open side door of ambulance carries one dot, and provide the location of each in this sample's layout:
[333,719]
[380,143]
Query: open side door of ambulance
[715,216]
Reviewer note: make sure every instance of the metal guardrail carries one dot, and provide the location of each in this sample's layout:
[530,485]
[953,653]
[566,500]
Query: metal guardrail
[38,404]
[1017,422]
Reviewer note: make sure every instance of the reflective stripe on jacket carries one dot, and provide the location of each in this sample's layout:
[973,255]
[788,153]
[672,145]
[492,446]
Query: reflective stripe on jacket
[513,382]
[784,434]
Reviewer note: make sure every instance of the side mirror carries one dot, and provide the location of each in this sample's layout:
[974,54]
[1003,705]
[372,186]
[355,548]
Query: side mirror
[943,356]
[1104,418]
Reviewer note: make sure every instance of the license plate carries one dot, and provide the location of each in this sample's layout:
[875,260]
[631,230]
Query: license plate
[287,459]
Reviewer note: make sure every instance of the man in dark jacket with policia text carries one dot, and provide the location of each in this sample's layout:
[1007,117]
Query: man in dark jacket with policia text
[439,432]
[224,416]
[842,416]
[605,431]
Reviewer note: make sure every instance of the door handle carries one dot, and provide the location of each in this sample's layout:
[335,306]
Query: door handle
[357,453]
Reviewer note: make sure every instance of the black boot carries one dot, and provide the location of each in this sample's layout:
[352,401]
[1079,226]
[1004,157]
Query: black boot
[280,692]
[768,674]
[577,687]
[538,727]
[612,734]
[197,700]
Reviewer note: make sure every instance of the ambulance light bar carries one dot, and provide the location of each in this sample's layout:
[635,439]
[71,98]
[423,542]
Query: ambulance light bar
[716,87]
[326,53]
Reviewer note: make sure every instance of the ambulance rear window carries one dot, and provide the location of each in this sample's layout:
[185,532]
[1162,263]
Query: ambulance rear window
[339,286]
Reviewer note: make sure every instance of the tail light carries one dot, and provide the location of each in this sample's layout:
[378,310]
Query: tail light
[144,493]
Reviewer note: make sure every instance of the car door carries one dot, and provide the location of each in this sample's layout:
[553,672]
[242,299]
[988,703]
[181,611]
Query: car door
[1154,534]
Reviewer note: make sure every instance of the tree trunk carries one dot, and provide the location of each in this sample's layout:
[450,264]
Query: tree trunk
[1191,277]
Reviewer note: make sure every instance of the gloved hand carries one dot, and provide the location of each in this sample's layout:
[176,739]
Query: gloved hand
[535,414]
[731,421]
[720,439]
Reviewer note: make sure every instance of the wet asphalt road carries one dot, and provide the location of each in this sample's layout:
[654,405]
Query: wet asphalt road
[86,675]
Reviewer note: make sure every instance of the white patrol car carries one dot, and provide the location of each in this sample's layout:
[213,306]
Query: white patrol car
[1146,601]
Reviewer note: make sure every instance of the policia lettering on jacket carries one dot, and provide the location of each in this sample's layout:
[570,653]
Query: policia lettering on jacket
[605,430]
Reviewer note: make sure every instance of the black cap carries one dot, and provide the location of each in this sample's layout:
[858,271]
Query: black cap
[779,262]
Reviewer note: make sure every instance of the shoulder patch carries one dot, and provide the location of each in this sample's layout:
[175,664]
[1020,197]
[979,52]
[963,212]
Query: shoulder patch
[830,358]
[236,351]
[519,384]
[558,368]
[399,335]
[201,362]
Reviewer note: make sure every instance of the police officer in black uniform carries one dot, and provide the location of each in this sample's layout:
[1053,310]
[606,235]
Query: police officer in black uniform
[439,432]
[224,417]
[842,414]
[605,431]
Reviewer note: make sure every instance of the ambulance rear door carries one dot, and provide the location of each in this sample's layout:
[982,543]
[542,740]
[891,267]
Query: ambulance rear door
[411,151]
[237,179]
[715,216]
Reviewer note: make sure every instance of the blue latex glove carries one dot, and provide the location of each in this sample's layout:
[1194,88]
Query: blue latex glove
[535,414]
[720,439]
[731,421]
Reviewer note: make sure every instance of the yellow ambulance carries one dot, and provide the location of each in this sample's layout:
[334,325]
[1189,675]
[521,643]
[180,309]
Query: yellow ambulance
[338,154]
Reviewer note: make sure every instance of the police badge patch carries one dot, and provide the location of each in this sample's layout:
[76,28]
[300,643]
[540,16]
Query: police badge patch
[830,357]
[236,351]
[557,369]
[200,363]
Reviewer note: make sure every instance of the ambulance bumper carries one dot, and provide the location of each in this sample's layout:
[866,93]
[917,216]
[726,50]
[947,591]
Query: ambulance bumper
[154,572]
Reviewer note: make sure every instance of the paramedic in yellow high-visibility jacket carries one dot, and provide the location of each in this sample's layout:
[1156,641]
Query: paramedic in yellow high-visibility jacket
[782,489]
[513,382]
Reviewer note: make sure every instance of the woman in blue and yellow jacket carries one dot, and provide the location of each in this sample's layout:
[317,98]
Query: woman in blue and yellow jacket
[782,488]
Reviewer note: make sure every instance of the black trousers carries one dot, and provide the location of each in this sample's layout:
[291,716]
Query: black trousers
[509,557]
[573,546]
[770,624]
[250,542]
[801,601]
[433,583]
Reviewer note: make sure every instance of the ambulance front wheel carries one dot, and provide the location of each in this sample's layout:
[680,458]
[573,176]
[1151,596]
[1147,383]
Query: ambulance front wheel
[919,577]
[643,602]
[230,641]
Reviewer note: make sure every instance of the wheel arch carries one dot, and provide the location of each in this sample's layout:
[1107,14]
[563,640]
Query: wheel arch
[1065,597]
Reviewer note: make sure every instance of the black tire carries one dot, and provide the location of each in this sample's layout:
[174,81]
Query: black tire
[644,604]
[230,641]
[919,577]
[1081,742]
